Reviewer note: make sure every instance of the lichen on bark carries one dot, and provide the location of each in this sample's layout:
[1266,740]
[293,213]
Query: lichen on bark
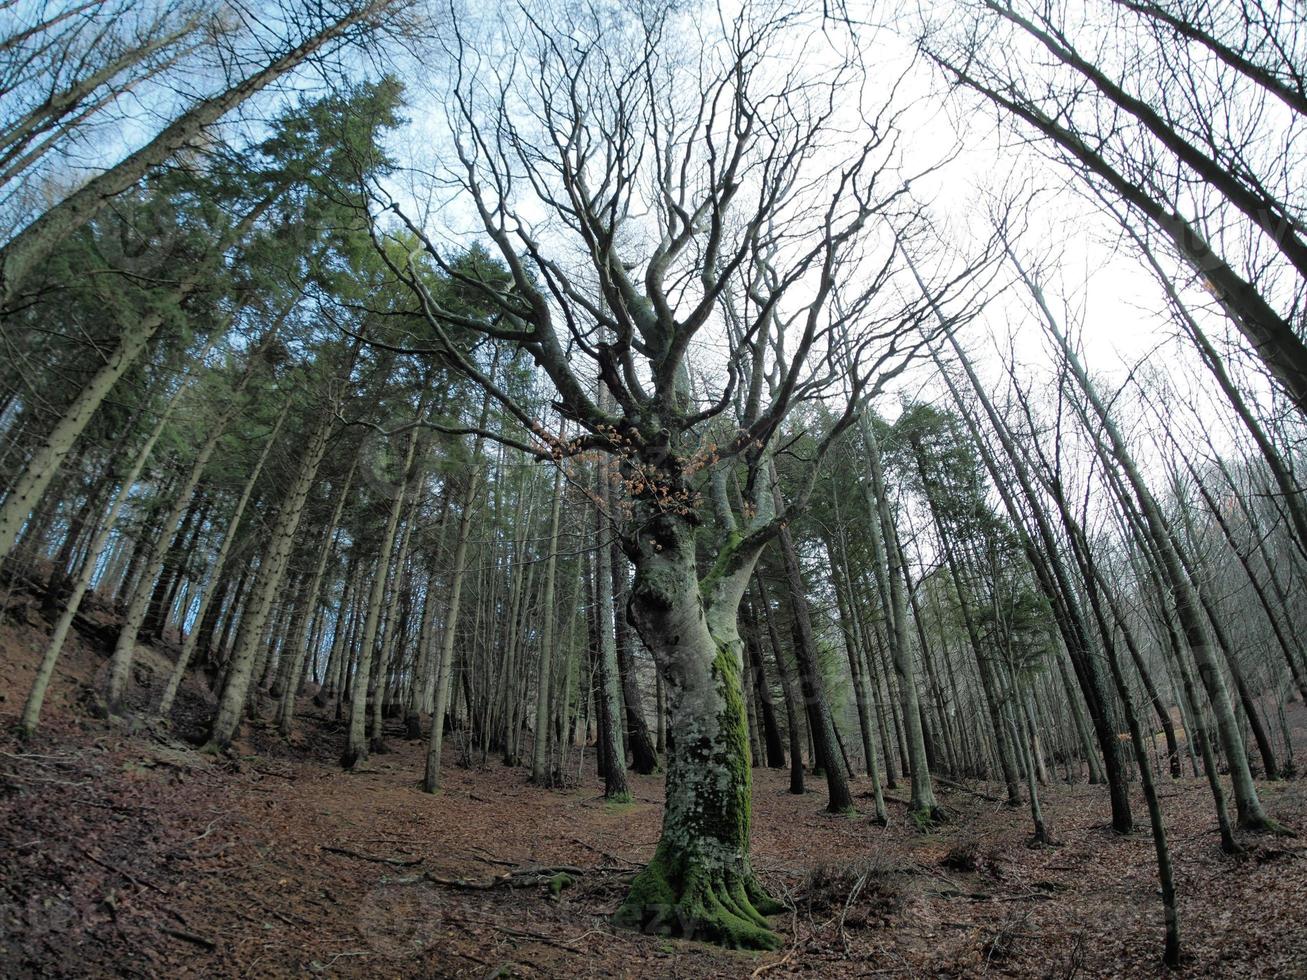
[700,884]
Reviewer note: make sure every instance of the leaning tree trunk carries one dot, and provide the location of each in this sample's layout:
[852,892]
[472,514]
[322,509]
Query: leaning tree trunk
[164,708]
[1111,447]
[299,646]
[1237,673]
[40,684]
[44,463]
[1289,490]
[700,881]
[124,650]
[840,800]
[133,340]
[1054,582]
[923,794]
[27,250]
[1002,743]
[1078,718]
[267,585]
[1273,616]
[1171,951]
[793,710]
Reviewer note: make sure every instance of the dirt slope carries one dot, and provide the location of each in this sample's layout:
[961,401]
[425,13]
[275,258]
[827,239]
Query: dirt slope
[132,854]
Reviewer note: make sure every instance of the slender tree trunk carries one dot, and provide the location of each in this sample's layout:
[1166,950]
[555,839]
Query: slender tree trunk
[26,251]
[390,649]
[82,581]
[839,799]
[356,745]
[644,759]
[770,731]
[1272,337]
[1247,802]
[1055,584]
[164,593]
[267,585]
[923,794]
[1290,492]
[138,603]
[27,490]
[192,640]
[853,647]
[1273,616]
[286,706]
[1077,716]
[992,695]
[541,774]
[338,655]
[431,778]
[608,693]
[793,711]
[1171,954]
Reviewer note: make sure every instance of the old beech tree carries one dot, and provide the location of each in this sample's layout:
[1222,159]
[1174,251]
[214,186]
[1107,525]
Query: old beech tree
[689,248]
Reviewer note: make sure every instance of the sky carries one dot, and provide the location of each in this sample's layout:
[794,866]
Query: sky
[1117,299]
[1113,305]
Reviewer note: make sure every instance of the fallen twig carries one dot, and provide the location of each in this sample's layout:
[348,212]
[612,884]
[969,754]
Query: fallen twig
[190,937]
[961,788]
[207,831]
[615,858]
[376,858]
[536,937]
[986,896]
[139,883]
[280,775]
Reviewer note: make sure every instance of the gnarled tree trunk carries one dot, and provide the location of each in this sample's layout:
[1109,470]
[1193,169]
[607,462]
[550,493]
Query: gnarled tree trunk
[700,882]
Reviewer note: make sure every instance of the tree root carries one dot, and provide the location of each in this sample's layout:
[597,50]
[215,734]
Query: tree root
[719,906]
[928,818]
[1267,826]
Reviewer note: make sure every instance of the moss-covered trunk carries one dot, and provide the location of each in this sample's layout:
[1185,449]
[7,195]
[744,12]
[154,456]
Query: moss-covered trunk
[700,883]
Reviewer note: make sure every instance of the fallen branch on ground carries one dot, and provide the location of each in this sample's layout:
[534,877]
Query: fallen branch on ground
[376,858]
[510,879]
[190,937]
[961,788]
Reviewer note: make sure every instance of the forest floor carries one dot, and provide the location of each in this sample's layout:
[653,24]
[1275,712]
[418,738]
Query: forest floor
[132,854]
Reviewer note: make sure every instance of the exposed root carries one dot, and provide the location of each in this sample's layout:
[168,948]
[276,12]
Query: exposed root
[927,819]
[1266,825]
[725,907]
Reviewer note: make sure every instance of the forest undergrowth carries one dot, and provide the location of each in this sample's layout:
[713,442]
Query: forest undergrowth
[134,854]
